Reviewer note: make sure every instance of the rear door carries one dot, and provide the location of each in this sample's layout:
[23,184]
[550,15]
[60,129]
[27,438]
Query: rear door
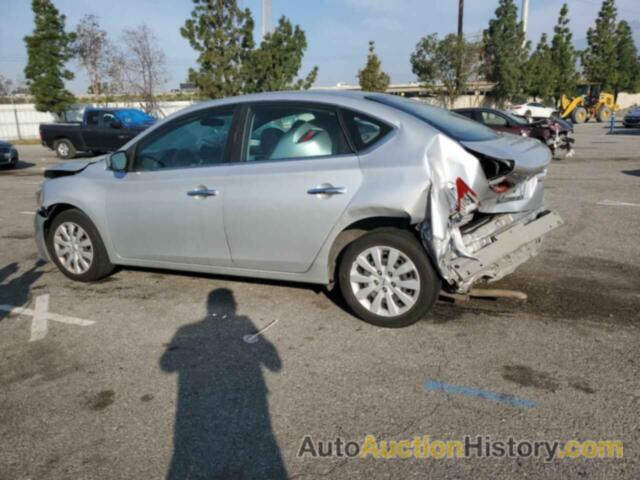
[296,175]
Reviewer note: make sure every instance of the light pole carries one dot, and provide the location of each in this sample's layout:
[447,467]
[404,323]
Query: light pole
[525,17]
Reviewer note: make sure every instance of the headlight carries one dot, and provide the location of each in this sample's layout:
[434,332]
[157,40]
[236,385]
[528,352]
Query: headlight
[524,133]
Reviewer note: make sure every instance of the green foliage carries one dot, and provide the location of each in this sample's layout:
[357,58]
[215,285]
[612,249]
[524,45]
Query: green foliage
[229,63]
[222,34]
[448,64]
[505,51]
[563,56]
[49,49]
[599,59]
[371,77]
[275,64]
[628,79]
[540,71]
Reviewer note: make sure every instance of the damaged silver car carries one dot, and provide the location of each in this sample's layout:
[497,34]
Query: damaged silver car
[389,198]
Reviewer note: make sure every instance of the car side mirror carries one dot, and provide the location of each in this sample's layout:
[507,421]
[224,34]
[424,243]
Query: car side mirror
[117,161]
[116,123]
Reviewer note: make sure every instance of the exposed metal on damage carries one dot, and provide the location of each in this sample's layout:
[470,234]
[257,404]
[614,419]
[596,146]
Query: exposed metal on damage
[466,253]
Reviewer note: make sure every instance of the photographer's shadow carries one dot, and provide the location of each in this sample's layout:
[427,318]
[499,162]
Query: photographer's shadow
[222,428]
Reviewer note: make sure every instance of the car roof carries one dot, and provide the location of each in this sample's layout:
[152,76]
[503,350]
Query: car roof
[356,100]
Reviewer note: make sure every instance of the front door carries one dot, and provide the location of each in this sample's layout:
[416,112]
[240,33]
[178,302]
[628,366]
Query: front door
[168,208]
[296,178]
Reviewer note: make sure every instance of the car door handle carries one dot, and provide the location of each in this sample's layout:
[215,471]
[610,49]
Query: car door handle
[202,192]
[327,190]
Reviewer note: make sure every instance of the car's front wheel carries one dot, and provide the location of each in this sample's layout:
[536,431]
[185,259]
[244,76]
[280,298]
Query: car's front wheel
[387,279]
[76,247]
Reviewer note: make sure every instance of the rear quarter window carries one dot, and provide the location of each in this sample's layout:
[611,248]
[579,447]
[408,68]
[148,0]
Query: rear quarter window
[364,130]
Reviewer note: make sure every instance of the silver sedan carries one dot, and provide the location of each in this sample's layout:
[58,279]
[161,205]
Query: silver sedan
[389,198]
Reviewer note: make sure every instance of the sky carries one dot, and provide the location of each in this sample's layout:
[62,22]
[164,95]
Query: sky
[338,31]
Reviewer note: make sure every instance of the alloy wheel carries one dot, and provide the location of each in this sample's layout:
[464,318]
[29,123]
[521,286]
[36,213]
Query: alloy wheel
[63,149]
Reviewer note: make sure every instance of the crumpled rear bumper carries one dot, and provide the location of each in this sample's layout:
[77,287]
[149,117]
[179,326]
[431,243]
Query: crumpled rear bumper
[499,247]
[38,223]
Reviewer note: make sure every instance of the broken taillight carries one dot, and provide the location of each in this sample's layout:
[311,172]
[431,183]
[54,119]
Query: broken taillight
[467,200]
[500,187]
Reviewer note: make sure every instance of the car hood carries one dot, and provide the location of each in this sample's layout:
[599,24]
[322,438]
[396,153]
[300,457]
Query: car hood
[69,168]
[4,144]
[634,113]
[529,156]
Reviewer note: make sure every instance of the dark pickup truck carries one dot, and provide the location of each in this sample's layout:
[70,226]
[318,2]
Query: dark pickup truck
[101,130]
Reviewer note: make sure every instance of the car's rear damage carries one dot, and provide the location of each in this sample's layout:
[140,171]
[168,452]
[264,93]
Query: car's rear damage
[485,215]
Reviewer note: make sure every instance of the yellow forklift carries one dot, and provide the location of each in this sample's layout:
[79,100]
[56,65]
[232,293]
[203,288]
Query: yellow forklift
[590,103]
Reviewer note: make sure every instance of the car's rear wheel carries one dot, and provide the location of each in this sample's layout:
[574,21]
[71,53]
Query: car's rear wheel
[387,279]
[76,247]
[64,149]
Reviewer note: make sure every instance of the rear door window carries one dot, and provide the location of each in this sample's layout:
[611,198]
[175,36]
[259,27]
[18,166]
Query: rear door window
[365,131]
[494,120]
[293,131]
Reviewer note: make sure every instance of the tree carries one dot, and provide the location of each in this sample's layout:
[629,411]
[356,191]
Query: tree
[563,57]
[628,79]
[275,64]
[222,34]
[144,65]
[371,77]
[450,63]
[599,59]
[93,51]
[229,63]
[505,51]
[5,86]
[540,72]
[48,50]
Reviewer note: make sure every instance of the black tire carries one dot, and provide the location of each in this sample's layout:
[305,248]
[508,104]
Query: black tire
[100,265]
[579,115]
[604,114]
[409,246]
[64,149]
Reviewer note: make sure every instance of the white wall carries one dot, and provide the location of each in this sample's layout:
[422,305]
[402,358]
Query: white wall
[29,119]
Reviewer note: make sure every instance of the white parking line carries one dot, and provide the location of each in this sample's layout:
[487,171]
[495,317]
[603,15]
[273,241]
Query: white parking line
[41,316]
[39,324]
[28,213]
[616,203]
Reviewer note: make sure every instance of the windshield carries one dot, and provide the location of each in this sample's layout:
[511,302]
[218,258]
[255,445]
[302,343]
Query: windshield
[132,116]
[454,125]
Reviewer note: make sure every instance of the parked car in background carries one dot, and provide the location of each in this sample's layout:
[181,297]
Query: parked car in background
[8,155]
[101,130]
[532,110]
[632,119]
[553,132]
[387,197]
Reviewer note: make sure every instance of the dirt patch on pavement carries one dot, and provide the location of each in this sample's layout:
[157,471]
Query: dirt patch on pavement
[100,400]
[528,377]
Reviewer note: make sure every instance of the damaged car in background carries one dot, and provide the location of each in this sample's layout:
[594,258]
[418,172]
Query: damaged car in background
[390,199]
[555,133]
